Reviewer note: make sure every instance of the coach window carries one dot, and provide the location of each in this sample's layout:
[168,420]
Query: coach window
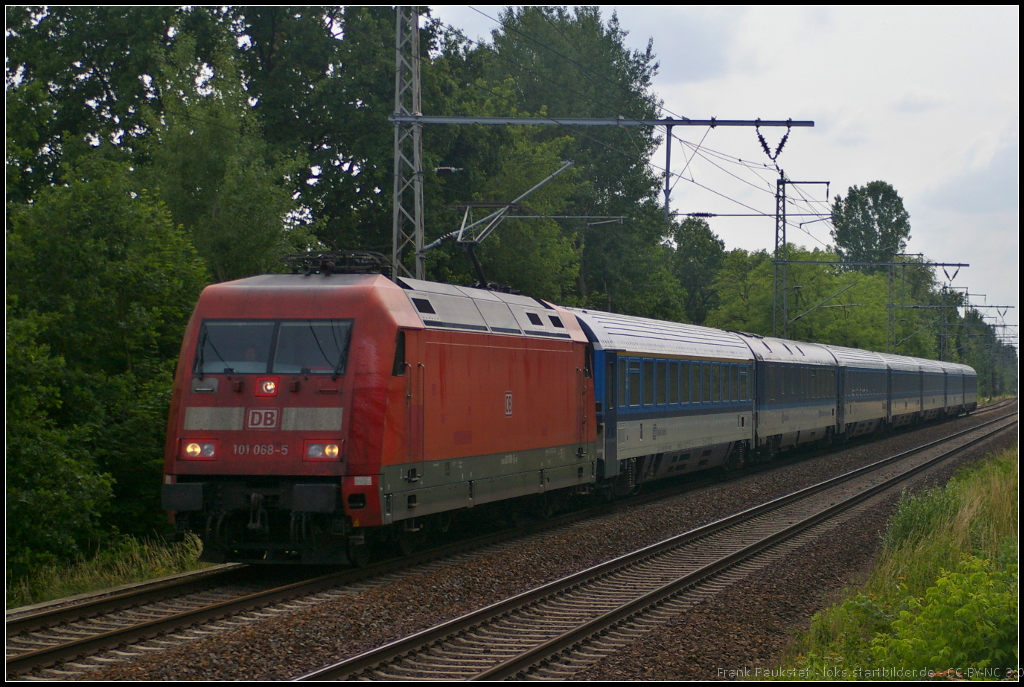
[705,382]
[648,382]
[684,382]
[661,368]
[622,383]
[673,382]
[743,382]
[609,398]
[634,382]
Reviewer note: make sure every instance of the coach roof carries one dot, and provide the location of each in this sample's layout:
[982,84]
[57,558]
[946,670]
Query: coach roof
[614,332]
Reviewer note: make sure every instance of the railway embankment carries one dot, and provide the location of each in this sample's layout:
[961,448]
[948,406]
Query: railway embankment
[943,596]
[890,582]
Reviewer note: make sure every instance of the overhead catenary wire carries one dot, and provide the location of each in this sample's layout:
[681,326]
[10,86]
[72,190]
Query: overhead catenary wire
[649,163]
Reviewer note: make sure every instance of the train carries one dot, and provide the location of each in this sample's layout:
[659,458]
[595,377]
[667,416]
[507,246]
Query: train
[318,416]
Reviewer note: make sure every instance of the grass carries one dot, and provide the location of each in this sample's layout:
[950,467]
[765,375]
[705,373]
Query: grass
[121,562]
[944,592]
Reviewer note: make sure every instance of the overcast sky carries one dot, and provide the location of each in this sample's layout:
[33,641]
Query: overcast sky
[925,98]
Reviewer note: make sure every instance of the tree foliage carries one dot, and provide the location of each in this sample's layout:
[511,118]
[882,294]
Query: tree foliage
[209,163]
[871,224]
[699,255]
[55,493]
[107,283]
[81,75]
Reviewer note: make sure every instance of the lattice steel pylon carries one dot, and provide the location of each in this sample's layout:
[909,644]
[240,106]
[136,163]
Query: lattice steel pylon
[407,208]
[781,256]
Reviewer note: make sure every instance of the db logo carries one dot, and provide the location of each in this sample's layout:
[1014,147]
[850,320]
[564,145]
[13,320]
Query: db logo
[261,418]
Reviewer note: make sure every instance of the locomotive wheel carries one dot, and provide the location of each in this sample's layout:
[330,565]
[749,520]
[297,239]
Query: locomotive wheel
[359,555]
[411,542]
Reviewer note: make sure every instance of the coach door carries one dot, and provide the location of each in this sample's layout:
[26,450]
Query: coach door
[582,378]
[840,399]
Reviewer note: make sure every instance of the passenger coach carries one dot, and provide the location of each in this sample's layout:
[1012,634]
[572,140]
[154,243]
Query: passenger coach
[672,398]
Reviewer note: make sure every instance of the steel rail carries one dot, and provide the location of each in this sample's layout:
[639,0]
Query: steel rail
[99,604]
[25,662]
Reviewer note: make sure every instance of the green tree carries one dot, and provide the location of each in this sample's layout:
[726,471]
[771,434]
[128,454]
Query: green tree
[743,290]
[826,305]
[210,165]
[78,76]
[871,224]
[534,256]
[699,255]
[114,281]
[55,494]
[321,81]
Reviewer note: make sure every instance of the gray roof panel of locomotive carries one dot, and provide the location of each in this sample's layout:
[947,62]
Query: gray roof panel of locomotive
[614,332]
[461,308]
[772,350]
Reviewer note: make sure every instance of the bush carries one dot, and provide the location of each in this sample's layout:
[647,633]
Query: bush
[967,620]
[944,592]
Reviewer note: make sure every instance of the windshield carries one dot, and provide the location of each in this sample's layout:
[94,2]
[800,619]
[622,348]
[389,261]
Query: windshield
[273,346]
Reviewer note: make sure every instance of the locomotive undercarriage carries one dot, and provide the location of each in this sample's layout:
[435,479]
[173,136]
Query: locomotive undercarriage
[267,520]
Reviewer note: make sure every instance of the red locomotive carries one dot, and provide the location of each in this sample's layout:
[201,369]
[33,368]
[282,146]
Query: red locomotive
[315,414]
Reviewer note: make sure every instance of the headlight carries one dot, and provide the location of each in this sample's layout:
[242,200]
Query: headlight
[266,386]
[323,451]
[197,450]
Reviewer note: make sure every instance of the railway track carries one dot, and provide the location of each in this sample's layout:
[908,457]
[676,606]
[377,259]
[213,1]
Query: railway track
[61,633]
[67,632]
[548,631]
